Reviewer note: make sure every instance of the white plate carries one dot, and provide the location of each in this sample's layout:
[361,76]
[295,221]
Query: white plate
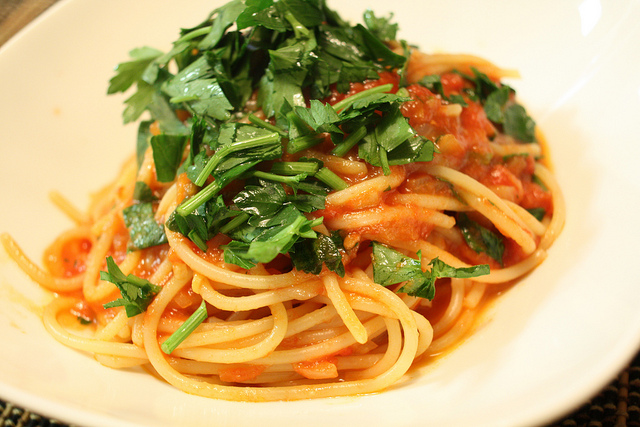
[550,343]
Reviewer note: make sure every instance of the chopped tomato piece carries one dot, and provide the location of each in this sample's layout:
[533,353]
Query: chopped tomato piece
[317,369]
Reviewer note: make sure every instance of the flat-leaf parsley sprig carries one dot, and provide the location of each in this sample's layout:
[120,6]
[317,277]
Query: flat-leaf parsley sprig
[252,79]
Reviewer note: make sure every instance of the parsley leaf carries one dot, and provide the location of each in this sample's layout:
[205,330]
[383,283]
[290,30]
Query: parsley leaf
[391,267]
[167,155]
[142,140]
[500,108]
[248,17]
[392,130]
[280,237]
[309,255]
[261,239]
[130,72]
[195,87]
[226,16]
[144,231]
[538,213]
[136,293]
[320,117]
[382,28]
[519,124]
[261,200]
[495,103]
[163,112]
[377,50]
[480,239]
[137,103]
[204,222]
[440,269]
[283,80]
[143,193]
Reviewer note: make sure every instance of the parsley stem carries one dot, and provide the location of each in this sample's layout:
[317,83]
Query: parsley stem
[298,29]
[185,98]
[294,168]
[341,105]
[331,179]
[185,329]
[403,92]
[193,34]
[203,195]
[235,222]
[266,125]
[212,189]
[225,150]
[294,179]
[384,161]
[199,241]
[303,142]
[349,142]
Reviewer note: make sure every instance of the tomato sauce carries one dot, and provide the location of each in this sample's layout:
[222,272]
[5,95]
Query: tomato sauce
[462,136]
[69,258]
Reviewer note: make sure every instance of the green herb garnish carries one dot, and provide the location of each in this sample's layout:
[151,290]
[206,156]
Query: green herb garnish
[136,293]
[481,239]
[391,267]
[144,231]
[185,329]
[538,213]
[292,54]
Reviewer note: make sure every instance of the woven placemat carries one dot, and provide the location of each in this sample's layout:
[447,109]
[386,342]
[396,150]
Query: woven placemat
[13,416]
[15,14]
[618,404]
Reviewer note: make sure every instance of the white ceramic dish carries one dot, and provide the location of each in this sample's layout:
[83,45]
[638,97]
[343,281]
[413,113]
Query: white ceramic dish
[548,345]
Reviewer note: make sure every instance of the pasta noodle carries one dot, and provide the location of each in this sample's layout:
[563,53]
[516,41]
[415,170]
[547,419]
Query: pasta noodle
[268,330]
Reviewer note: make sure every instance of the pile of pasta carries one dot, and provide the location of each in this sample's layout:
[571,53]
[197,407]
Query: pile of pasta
[276,333]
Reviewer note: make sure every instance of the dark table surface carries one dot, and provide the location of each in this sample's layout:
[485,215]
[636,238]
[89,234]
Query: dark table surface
[618,404]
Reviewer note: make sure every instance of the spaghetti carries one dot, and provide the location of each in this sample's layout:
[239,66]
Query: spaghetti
[476,190]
